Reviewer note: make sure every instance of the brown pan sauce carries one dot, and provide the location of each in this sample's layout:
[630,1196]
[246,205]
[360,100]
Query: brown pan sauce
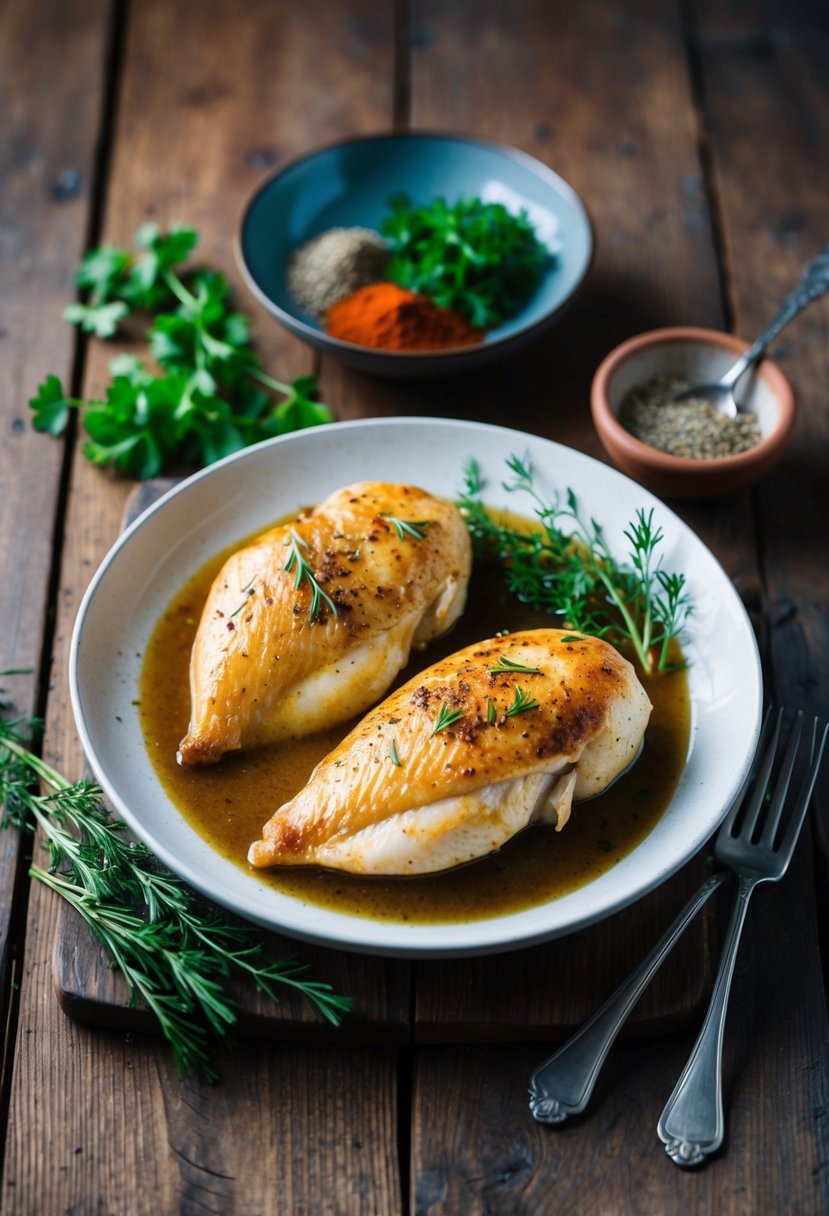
[228,803]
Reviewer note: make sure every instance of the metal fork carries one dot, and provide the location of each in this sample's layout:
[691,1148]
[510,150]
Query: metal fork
[563,1084]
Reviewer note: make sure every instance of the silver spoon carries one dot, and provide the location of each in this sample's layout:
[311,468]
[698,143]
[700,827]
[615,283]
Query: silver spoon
[813,283]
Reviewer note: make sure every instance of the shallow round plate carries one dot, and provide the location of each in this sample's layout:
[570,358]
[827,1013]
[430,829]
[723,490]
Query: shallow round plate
[247,492]
[350,184]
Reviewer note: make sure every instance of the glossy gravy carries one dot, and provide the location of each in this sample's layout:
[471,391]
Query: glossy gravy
[228,803]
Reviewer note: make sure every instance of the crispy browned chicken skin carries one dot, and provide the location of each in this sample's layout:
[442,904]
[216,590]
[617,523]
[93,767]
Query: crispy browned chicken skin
[401,796]
[265,667]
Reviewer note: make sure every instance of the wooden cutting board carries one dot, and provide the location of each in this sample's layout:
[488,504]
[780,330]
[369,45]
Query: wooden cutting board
[539,993]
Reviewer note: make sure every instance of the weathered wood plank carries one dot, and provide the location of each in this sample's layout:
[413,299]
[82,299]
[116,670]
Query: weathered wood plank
[547,992]
[47,167]
[107,1126]
[210,96]
[477,1149]
[765,71]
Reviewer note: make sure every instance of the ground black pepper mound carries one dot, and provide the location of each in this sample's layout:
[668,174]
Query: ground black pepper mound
[691,428]
[333,265]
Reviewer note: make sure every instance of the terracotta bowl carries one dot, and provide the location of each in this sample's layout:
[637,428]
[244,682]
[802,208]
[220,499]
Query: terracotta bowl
[698,356]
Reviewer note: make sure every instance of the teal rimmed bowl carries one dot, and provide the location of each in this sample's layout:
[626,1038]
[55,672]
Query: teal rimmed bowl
[350,184]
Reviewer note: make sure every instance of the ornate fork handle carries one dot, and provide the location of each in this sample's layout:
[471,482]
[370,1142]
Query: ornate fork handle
[562,1085]
[692,1125]
[813,283]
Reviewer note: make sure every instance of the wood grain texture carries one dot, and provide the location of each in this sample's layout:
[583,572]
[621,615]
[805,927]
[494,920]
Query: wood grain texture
[476,1149]
[210,96]
[765,70]
[547,992]
[47,168]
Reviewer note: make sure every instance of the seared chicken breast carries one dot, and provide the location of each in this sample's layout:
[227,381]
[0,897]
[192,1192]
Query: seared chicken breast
[465,755]
[309,625]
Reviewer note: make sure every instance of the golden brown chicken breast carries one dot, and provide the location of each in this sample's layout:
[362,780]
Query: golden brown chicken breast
[308,625]
[465,755]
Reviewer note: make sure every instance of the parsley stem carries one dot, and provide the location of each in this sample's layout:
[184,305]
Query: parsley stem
[178,289]
[276,385]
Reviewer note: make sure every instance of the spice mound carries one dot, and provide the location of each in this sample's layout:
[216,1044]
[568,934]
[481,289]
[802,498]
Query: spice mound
[692,428]
[333,265]
[388,317]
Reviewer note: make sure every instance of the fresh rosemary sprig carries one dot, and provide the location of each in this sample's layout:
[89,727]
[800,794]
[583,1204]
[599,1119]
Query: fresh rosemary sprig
[415,528]
[506,665]
[491,712]
[446,717]
[174,950]
[393,755]
[522,703]
[566,568]
[303,571]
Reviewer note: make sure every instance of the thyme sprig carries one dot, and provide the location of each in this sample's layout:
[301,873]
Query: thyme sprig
[296,560]
[174,950]
[522,702]
[566,568]
[505,665]
[446,717]
[415,528]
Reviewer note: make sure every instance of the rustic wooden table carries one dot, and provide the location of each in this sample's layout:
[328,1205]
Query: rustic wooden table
[697,132]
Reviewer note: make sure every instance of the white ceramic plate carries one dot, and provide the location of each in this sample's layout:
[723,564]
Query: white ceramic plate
[248,491]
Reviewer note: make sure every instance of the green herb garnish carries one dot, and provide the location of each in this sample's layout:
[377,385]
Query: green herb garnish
[416,529]
[523,702]
[297,560]
[175,951]
[393,756]
[566,568]
[507,665]
[211,397]
[475,257]
[247,592]
[446,717]
[491,712]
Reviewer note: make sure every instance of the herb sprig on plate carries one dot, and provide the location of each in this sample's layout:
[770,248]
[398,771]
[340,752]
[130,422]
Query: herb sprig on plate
[209,395]
[297,547]
[566,568]
[474,257]
[175,951]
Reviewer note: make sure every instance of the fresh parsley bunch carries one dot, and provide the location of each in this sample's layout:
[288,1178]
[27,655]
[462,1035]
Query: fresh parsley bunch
[210,397]
[474,257]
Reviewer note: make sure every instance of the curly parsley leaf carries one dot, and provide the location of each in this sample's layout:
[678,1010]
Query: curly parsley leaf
[211,396]
[474,257]
[51,407]
[98,319]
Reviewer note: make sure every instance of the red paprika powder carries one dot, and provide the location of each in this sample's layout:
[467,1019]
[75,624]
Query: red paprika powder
[388,317]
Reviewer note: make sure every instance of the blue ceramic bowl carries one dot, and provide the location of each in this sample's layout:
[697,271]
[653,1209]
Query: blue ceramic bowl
[351,183]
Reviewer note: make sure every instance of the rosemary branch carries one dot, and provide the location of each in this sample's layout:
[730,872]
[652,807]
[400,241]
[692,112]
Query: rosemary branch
[174,950]
[296,560]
